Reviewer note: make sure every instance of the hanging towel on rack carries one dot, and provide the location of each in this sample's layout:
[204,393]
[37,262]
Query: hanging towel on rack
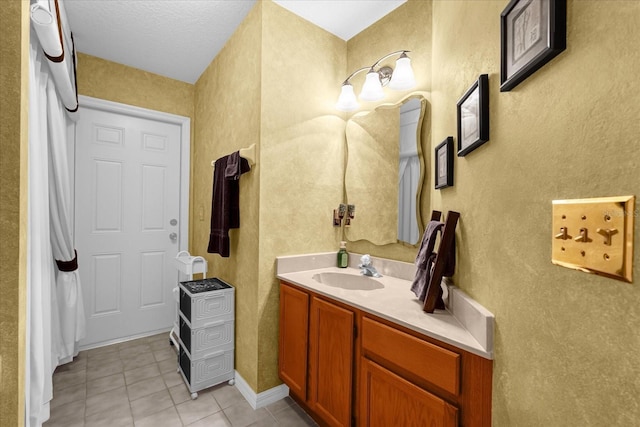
[225,203]
[426,258]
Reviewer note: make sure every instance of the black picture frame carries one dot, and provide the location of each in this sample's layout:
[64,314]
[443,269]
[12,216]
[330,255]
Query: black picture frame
[540,26]
[444,164]
[473,116]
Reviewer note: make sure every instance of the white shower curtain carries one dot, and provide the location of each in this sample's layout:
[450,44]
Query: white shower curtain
[69,291]
[55,314]
[42,356]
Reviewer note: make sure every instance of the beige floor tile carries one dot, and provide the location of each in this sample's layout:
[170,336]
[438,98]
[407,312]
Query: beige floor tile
[104,384]
[104,370]
[109,418]
[135,350]
[138,374]
[164,354]
[241,414]
[180,393]
[172,378]
[216,420]
[91,392]
[265,422]
[226,395]
[114,400]
[95,352]
[160,344]
[75,366]
[102,359]
[138,361]
[287,402]
[194,410]
[69,394]
[166,418]
[145,387]
[131,343]
[151,404]
[68,379]
[67,415]
[293,416]
[168,365]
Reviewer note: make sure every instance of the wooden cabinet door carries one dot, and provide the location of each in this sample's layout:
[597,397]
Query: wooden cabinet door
[331,362]
[294,339]
[389,400]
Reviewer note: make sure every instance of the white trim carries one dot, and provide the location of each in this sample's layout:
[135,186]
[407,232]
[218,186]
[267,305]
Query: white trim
[260,400]
[185,149]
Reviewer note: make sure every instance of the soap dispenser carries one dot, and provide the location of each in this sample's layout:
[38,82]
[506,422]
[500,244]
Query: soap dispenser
[343,256]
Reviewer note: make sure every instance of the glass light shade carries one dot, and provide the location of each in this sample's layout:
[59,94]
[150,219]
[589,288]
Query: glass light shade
[372,88]
[347,100]
[402,78]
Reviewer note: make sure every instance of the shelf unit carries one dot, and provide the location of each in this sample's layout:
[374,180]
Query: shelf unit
[206,333]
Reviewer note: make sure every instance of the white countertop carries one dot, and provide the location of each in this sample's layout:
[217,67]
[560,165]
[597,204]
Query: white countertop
[465,323]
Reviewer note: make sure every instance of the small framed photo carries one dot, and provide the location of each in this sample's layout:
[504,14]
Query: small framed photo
[473,116]
[532,32]
[444,164]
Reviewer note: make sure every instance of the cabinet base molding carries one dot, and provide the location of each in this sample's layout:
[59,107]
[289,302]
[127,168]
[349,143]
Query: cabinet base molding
[262,399]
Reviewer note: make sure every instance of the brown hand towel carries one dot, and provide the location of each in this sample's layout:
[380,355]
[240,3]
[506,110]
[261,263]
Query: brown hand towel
[225,203]
[426,258]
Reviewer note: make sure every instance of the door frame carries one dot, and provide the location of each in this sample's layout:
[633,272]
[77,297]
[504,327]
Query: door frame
[185,151]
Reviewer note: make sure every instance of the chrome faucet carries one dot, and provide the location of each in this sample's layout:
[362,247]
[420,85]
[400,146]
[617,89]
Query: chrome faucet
[366,269]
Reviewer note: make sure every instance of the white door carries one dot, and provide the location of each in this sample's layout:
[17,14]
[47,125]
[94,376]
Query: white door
[127,206]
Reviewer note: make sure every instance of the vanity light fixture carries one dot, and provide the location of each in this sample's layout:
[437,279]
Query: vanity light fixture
[402,78]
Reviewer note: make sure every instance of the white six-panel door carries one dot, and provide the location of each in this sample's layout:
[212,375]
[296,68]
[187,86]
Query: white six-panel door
[127,199]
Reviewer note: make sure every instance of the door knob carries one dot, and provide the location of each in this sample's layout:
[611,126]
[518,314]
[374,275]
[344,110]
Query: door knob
[173,236]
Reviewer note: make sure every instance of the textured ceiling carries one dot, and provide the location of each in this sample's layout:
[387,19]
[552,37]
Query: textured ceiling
[343,18]
[176,39]
[179,38]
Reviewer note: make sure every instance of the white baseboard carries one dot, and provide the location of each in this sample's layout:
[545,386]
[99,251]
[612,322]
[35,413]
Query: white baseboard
[262,399]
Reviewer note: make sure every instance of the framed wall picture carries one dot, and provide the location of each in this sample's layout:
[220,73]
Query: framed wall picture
[444,164]
[473,116]
[532,32]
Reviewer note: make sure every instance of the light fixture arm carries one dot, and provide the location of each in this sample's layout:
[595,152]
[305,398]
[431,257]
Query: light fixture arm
[346,81]
[401,52]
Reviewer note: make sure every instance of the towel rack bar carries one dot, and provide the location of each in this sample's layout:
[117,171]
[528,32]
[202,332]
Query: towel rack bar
[248,153]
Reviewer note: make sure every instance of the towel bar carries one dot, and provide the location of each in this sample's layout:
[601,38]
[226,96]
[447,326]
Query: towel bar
[249,154]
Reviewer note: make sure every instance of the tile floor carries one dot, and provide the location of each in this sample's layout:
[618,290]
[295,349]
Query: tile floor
[136,384]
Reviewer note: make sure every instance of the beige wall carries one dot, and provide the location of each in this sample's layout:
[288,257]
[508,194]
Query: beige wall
[302,155]
[567,342]
[115,82]
[14,78]
[227,112]
[282,100]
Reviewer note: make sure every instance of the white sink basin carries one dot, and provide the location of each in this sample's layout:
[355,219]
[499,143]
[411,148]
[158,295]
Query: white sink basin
[348,281]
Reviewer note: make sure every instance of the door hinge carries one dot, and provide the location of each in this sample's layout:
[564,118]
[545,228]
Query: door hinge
[355,331]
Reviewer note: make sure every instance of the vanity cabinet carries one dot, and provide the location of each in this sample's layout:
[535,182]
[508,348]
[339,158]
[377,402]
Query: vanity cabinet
[331,343]
[348,367]
[316,354]
[418,362]
[388,399]
[294,340]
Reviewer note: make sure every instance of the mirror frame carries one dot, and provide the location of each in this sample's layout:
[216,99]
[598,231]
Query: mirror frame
[422,96]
